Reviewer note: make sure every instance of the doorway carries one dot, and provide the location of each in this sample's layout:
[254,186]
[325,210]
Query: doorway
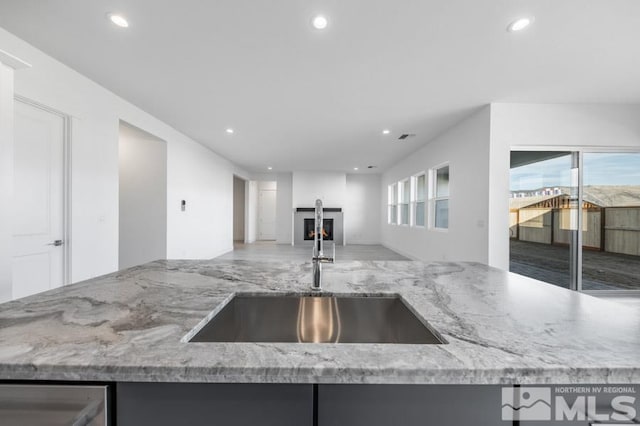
[239,210]
[142,163]
[267,195]
[40,232]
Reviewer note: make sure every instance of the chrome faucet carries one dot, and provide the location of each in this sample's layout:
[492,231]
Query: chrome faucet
[318,257]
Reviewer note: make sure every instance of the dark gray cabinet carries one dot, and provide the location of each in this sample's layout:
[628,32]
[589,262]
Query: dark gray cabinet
[409,405]
[330,405]
[196,404]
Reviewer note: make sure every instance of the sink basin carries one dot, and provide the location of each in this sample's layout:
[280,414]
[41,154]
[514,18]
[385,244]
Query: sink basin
[316,319]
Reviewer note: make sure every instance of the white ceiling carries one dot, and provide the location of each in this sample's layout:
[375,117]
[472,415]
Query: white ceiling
[300,99]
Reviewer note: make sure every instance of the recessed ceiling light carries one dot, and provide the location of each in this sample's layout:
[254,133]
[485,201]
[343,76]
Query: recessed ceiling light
[319,22]
[270,168]
[118,20]
[519,24]
[229,130]
[386,131]
[355,168]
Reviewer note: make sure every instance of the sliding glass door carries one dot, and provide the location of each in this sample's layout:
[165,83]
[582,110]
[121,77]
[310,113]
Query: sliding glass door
[575,218]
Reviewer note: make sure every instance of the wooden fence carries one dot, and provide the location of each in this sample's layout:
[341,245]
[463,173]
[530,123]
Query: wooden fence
[611,229]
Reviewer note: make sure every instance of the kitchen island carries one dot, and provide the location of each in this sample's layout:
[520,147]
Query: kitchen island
[500,328]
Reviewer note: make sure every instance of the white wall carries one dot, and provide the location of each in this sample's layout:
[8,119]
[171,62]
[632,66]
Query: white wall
[330,187]
[284,208]
[194,173]
[142,197]
[6,179]
[238,209]
[362,209]
[271,185]
[552,126]
[466,148]
[251,200]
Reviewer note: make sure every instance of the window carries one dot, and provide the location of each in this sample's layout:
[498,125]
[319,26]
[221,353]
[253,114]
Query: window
[393,204]
[439,197]
[405,193]
[418,196]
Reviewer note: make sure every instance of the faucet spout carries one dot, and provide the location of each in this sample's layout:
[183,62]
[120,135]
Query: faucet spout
[318,257]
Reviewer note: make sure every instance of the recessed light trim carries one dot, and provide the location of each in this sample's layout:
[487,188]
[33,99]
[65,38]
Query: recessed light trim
[520,24]
[229,130]
[355,168]
[269,168]
[386,131]
[118,20]
[320,22]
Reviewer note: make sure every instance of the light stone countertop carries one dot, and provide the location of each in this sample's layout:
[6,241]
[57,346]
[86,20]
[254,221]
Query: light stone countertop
[501,328]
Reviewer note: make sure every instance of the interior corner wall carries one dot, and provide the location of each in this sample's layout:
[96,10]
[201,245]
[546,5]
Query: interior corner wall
[6,179]
[466,148]
[142,197]
[284,208]
[194,173]
[238,209]
[251,200]
[553,126]
[362,209]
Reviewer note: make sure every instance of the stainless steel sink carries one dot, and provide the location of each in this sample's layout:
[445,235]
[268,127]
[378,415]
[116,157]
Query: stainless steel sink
[316,319]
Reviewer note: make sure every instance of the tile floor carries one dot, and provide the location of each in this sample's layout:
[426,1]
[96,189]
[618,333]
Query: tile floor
[268,250]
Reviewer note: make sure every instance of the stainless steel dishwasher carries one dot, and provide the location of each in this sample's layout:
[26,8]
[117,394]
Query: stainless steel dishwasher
[53,405]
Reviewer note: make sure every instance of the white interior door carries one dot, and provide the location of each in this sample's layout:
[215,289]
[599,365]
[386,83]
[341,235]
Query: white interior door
[267,215]
[38,255]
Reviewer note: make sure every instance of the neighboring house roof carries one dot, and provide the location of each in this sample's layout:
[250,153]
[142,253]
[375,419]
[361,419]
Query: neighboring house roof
[520,203]
[593,196]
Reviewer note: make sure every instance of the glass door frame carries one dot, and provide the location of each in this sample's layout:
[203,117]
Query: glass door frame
[577,154]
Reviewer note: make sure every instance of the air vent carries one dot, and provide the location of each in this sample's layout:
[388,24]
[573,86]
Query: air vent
[371,167]
[406,136]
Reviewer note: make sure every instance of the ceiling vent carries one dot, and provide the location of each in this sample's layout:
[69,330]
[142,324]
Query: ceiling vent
[406,136]
[371,167]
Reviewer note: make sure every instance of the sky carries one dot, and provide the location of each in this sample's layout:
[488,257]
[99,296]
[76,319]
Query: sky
[599,169]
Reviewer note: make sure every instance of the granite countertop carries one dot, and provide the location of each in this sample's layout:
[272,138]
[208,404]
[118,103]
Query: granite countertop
[501,328]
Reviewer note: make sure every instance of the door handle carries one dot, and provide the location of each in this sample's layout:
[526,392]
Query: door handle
[56,243]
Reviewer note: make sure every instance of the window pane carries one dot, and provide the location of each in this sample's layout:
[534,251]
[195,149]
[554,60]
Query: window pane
[611,221]
[395,193]
[394,215]
[442,182]
[420,190]
[539,216]
[442,214]
[404,214]
[406,191]
[420,214]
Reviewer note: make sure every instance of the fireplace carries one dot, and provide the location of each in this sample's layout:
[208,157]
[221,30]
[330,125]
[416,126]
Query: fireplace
[327,229]
[304,221]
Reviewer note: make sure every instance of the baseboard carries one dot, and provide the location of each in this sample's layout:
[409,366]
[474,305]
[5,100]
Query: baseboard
[401,252]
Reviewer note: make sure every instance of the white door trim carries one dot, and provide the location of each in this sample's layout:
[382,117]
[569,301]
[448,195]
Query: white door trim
[66,183]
